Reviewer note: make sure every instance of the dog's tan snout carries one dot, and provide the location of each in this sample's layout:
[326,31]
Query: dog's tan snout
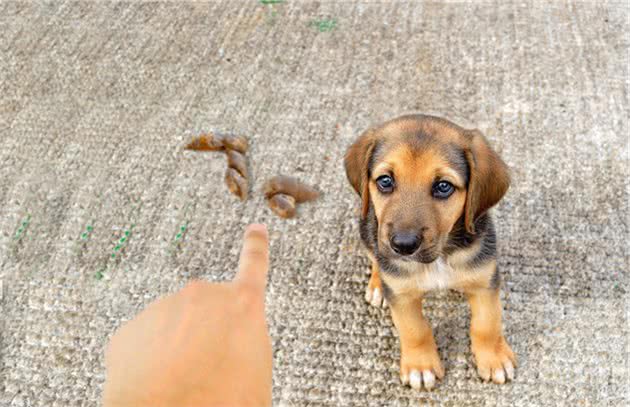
[405,242]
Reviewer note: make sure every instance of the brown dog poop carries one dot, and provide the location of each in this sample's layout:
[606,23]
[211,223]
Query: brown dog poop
[236,143]
[236,183]
[238,161]
[207,142]
[283,193]
[283,205]
[237,176]
[219,142]
[235,147]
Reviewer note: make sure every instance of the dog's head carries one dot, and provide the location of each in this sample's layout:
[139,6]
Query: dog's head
[424,176]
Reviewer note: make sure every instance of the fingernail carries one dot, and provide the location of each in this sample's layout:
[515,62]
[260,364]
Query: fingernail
[257,228]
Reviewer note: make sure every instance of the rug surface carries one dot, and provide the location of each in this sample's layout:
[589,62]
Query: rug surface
[101,211]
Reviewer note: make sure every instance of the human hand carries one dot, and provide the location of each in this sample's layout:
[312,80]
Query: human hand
[206,345]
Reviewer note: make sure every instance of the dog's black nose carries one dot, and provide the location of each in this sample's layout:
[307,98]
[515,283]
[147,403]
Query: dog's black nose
[405,243]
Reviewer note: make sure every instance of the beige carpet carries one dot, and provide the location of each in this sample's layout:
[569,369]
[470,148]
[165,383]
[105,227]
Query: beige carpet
[97,99]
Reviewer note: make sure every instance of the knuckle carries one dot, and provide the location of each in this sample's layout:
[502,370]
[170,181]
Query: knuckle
[256,254]
[248,295]
[246,290]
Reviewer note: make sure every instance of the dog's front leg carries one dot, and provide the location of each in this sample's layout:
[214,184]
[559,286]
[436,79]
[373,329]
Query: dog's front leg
[419,362]
[495,360]
[374,293]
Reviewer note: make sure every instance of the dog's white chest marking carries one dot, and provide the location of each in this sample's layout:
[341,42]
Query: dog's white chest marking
[438,275]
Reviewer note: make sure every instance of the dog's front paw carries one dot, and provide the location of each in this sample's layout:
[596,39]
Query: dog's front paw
[421,366]
[374,296]
[495,360]
[374,292]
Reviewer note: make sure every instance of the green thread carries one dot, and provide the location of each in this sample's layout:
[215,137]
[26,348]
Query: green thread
[271,3]
[86,234]
[182,230]
[325,25]
[177,241]
[22,228]
[121,242]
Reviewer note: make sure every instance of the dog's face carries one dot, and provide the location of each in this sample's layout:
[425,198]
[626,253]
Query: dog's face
[418,191]
[425,178]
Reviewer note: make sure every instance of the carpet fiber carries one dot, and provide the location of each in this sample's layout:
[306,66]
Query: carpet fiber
[97,100]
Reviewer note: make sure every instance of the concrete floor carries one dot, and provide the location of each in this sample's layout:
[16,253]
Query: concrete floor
[97,99]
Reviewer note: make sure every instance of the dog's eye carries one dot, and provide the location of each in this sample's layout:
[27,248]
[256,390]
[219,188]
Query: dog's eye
[443,189]
[385,184]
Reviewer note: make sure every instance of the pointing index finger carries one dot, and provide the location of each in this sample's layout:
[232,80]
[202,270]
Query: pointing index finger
[254,260]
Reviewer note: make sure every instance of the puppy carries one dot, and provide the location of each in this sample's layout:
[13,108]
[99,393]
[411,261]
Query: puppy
[426,186]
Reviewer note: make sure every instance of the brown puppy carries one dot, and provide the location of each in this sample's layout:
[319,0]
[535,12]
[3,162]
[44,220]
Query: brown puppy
[426,186]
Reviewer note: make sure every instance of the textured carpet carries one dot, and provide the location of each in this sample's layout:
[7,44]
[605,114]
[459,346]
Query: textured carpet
[97,99]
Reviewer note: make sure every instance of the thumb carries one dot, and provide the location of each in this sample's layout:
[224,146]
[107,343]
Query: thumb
[254,261]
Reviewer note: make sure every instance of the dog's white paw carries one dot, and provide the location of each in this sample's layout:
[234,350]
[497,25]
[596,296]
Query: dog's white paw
[417,378]
[374,296]
[421,367]
[495,360]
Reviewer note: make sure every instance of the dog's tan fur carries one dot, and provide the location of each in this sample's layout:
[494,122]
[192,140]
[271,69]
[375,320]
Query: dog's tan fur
[457,245]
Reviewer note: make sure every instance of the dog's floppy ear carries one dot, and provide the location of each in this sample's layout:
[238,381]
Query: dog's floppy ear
[489,178]
[356,162]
